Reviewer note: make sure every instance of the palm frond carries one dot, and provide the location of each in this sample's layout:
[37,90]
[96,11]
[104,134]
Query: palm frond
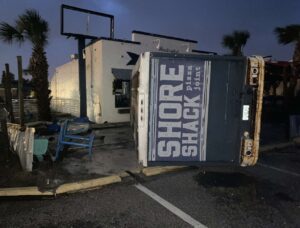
[33,26]
[241,37]
[288,34]
[236,41]
[228,41]
[10,34]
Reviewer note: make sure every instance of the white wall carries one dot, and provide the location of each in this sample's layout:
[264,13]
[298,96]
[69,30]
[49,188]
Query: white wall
[64,86]
[101,57]
[93,78]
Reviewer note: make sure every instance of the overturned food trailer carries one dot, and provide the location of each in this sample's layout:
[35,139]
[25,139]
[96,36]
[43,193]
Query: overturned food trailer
[197,109]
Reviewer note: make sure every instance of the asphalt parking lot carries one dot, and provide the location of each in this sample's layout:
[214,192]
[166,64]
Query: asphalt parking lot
[266,195]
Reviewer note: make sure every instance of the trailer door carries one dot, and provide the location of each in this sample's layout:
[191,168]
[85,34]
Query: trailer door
[204,109]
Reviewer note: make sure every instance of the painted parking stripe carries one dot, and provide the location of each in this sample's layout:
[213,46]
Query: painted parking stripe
[279,170]
[185,217]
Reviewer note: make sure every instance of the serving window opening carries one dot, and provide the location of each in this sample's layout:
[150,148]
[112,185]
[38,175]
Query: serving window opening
[121,90]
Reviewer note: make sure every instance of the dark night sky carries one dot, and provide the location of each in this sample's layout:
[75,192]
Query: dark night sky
[203,20]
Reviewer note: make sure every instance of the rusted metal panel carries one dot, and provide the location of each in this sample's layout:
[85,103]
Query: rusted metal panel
[255,78]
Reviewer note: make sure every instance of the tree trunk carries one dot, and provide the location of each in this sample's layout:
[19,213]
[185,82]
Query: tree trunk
[237,51]
[39,71]
[296,60]
[20,91]
[8,94]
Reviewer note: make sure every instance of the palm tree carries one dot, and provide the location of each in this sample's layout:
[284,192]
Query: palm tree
[30,26]
[287,35]
[236,41]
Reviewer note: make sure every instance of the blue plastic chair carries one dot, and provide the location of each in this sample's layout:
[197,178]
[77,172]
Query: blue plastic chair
[67,138]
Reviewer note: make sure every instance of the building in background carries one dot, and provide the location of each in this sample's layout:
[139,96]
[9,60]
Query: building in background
[109,63]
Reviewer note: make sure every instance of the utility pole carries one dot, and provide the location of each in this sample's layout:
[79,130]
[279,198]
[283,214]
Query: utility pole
[82,77]
[8,95]
[20,91]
